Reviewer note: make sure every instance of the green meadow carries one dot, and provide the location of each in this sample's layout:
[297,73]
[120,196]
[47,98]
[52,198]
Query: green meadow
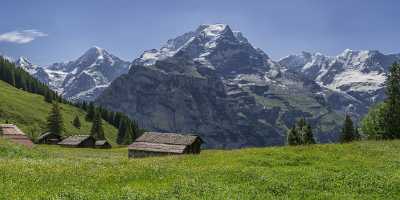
[29,112]
[360,170]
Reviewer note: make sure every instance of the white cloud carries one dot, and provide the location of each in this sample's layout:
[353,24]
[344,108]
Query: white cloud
[21,37]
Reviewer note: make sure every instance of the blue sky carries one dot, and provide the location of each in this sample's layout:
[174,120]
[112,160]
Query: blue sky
[48,31]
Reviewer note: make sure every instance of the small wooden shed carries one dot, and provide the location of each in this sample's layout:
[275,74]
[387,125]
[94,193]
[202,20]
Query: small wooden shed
[156,144]
[14,134]
[49,138]
[78,141]
[102,144]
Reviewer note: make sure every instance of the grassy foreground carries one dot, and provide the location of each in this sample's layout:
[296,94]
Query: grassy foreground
[362,170]
[29,112]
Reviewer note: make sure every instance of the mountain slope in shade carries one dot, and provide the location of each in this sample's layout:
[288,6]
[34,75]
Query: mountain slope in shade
[81,79]
[213,82]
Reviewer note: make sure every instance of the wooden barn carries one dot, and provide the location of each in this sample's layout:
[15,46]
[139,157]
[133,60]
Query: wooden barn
[49,138]
[78,141]
[157,144]
[14,134]
[102,144]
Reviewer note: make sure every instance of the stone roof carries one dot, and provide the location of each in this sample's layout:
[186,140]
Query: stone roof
[167,138]
[74,140]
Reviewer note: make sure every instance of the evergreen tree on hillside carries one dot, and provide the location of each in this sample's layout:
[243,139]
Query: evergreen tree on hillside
[97,130]
[55,122]
[121,132]
[392,116]
[301,123]
[293,137]
[129,134]
[348,133]
[77,122]
[90,112]
[48,97]
[308,136]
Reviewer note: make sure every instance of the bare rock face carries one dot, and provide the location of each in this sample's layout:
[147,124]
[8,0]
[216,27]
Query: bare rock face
[213,82]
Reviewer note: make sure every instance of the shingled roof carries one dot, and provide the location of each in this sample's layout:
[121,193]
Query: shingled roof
[74,140]
[163,142]
[167,138]
[13,133]
[154,147]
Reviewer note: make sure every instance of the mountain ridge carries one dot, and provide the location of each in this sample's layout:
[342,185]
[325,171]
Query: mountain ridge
[212,83]
[81,79]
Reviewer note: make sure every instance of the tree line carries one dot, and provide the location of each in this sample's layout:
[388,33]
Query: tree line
[128,130]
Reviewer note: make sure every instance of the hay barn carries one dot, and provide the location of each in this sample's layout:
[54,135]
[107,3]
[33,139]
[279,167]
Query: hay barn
[49,138]
[157,144]
[14,134]
[78,141]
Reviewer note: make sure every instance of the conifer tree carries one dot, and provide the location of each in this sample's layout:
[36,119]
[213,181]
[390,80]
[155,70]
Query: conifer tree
[77,122]
[128,138]
[48,97]
[97,130]
[121,132]
[308,136]
[293,137]
[392,114]
[91,112]
[348,133]
[55,122]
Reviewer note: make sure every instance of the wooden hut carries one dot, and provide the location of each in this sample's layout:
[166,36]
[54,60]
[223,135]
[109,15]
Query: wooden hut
[102,144]
[49,138]
[14,134]
[156,144]
[78,141]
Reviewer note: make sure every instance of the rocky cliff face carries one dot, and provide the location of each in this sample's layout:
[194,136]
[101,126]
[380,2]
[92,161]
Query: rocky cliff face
[213,82]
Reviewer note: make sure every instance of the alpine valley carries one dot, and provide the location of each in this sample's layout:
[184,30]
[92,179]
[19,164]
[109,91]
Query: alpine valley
[213,82]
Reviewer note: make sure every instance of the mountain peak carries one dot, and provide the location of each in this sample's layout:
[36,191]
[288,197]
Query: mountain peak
[355,55]
[95,50]
[23,60]
[196,44]
[212,29]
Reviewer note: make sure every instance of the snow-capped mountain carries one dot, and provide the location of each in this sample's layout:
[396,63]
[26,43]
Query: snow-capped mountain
[81,79]
[213,82]
[360,74]
[25,64]
[215,46]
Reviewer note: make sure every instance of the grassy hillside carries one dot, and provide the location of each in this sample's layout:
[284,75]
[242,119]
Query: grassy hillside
[363,170]
[29,112]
